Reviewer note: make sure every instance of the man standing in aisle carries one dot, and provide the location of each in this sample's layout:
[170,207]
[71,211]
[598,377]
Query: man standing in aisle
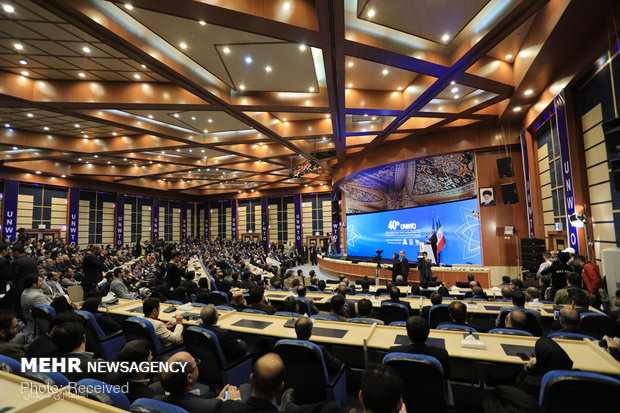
[404,266]
[93,268]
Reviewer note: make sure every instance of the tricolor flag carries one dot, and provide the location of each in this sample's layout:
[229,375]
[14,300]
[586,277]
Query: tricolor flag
[441,241]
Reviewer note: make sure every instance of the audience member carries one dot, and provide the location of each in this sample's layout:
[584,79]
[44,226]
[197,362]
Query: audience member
[562,296]
[381,391]
[8,331]
[150,308]
[436,299]
[257,297]
[301,293]
[516,320]
[365,310]
[138,383]
[548,355]
[303,329]
[338,308]
[232,346]
[458,313]
[395,298]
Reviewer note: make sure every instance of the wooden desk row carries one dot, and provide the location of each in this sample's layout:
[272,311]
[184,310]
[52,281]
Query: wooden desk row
[22,395]
[586,355]
[474,307]
[406,289]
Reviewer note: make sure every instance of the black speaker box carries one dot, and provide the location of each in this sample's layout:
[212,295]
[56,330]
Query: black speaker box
[509,193]
[531,257]
[615,172]
[504,168]
[611,129]
[532,242]
[537,249]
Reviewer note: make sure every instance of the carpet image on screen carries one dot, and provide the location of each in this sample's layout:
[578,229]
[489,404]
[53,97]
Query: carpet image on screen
[404,229]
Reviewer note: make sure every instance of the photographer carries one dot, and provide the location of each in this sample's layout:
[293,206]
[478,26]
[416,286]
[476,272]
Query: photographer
[424,267]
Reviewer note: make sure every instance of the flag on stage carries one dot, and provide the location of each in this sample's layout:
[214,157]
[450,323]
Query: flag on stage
[441,241]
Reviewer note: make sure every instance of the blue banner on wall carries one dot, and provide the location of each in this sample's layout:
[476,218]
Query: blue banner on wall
[233,218]
[206,223]
[528,188]
[74,214]
[155,214]
[298,240]
[405,229]
[120,219]
[263,223]
[567,173]
[335,224]
[184,221]
[9,218]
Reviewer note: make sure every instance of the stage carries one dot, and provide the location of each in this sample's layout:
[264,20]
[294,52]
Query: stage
[342,265]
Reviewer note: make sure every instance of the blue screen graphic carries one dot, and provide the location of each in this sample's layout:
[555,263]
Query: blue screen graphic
[405,229]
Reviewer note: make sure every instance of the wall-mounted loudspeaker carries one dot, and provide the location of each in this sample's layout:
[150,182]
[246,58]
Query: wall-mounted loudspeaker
[504,168]
[509,193]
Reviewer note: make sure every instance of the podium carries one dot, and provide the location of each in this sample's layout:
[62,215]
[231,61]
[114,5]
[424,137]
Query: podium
[429,251]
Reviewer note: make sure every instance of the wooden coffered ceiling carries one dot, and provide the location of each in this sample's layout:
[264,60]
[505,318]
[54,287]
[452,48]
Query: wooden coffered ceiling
[213,97]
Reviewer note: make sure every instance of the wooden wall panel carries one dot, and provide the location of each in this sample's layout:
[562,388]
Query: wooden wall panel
[497,249]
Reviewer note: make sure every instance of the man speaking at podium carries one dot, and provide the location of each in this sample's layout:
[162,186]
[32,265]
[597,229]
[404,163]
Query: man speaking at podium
[432,240]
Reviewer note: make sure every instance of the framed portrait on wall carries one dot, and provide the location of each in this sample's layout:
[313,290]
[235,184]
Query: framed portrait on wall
[487,196]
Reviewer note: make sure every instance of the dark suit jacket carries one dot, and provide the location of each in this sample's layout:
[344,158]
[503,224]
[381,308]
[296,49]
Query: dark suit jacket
[266,308]
[173,275]
[228,343]
[192,403]
[439,353]
[404,267]
[424,311]
[251,405]
[433,241]
[85,374]
[332,364]
[42,346]
[139,390]
[93,268]
[24,266]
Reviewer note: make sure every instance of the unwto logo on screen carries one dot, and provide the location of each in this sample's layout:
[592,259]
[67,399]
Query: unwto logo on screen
[394,225]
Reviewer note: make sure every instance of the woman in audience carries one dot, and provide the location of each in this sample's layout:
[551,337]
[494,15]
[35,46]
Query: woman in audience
[548,356]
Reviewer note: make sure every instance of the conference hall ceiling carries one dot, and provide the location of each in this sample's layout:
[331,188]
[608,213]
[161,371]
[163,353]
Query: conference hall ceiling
[224,97]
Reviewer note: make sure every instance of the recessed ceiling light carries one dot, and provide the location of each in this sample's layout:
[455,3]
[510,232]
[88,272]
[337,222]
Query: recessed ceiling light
[38,172]
[46,128]
[267,68]
[350,85]
[8,8]
[22,62]
[82,74]
[517,109]
[242,87]
[150,116]
[454,89]
[528,92]
[385,72]
[14,148]
[109,162]
[365,115]
[202,22]
[311,88]
[283,119]
[143,66]
[371,13]
[248,60]
[30,115]
[453,83]
[203,151]
[136,76]
[399,88]
[128,6]
[226,50]
[96,156]
[178,150]
[18,46]
[114,133]
[193,117]
[508,56]
[456,96]
[205,131]
[350,64]
[183,45]
[25,73]
[77,125]
[124,159]
[176,115]
[302,47]
[374,118]
[79,159]
[63,176]
[445,37]
[210,120]
[8,125]
[86,49]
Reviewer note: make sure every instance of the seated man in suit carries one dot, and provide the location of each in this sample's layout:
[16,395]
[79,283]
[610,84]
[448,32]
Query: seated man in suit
[365,310]
[301,293]
[400,281]
[138,383]
[180,387]
[8,330]
[518,302]
[338,309]
[395,298]
[70,340]
[507,292]
[189,283]
[436,299]
[516,320]
[238,301]
[303,329]
[365,283]
[150,308]
[570,321]
[531,293]
[418,331]
[232,346]
[381,390]
[458,313]
[257,297]
[342,290]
